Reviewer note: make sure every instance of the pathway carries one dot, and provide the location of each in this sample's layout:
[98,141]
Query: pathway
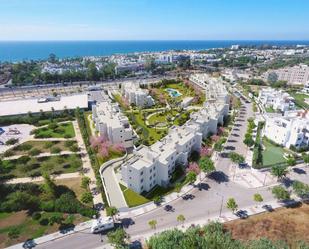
[88,171]
[40,178]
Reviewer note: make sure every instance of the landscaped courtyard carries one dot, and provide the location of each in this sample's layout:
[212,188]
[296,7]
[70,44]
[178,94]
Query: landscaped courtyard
[54,130]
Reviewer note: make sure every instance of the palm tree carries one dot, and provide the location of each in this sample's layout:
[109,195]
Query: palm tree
[279,171]
[152,224]
[178,187]
[181,218]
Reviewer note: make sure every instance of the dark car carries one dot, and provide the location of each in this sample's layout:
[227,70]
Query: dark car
[188,197]
[268,208]
[242,214]
[242,165]
[168,208]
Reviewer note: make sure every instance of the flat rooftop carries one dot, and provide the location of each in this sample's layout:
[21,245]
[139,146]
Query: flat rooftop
[16,107]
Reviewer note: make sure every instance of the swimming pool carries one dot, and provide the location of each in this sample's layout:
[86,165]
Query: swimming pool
[173,93]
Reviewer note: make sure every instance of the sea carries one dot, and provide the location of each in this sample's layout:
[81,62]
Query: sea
[14,51]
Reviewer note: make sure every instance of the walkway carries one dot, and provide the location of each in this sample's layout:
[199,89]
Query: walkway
[88,171]
[41,179]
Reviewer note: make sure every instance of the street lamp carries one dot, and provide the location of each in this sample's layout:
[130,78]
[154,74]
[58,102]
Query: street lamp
[222,197]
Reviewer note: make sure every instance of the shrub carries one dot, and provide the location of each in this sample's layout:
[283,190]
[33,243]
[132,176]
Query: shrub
[12,141]
[8,153]
[47,206]
[55,218]
[69,143]
[36,216]
[48,144]
[74,148]
[34,152]
[44,221]
[86,197]
[67,203]
[14,233]
[55,150]
[68,136]
[23,159]
[25,147]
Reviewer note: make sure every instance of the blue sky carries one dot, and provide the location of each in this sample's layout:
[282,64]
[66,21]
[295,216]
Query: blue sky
[154,19]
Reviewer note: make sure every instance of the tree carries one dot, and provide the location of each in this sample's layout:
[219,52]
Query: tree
[206,165]
[181,218]
[111,211]
[236,158]
[291,161]
[191,177]
[152,224]
[257,197]
[248,140]
[279,171]
[118,238]
[49,186]
[178,187]
[280,193]
[231,204]
[85,182]
[305,158]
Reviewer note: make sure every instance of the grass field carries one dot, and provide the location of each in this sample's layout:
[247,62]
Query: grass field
[272,154]
[64,130]
[41,146]
[300,99]
[21,226]
[287,224]
[31,167]
[132,198]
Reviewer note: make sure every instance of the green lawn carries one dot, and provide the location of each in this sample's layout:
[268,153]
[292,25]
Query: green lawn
[64,130]
[132,198]
[31,167]
[272,154]
[300,99]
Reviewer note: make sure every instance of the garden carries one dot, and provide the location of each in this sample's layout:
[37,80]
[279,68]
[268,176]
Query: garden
[28,211]
[55,130]
[26,166]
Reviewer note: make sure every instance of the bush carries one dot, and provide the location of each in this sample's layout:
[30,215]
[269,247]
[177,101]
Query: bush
[55,218]
[48,144]
[44,222]
[69,143]
[14,233]
[25,147]
[55,150]
[34,152]
[23,159]
[86,197]
[74,148]
[67,203]
[36,216]
[12,141]
[47,206]
[8,153]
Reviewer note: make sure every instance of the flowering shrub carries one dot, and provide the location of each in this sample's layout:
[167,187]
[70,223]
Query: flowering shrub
[193,167]
[214,138]
[104,147]
[205,151]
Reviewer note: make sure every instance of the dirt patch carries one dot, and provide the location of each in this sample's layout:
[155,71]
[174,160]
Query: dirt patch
[287,224]
[14,219]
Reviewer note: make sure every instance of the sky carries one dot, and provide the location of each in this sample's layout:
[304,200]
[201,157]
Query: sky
[154,20]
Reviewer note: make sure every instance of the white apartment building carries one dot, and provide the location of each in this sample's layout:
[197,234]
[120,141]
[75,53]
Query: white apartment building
[306,88]
[154,165]
[276,99]
[297,75]
[137,96]
[290,130]
[111,123]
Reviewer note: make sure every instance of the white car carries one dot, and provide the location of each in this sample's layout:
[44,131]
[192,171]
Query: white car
[102,224]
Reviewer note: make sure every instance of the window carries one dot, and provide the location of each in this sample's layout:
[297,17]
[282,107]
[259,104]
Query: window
[142,180]
[142,173]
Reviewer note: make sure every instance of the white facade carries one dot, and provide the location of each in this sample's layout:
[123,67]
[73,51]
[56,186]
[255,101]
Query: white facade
[137,96]
[276,99]
[154,165]
[297,75]
[291,129]
[110,122]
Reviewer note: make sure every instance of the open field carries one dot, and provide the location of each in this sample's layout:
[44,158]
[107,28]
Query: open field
[31,167]
[287,224]
[64,130]
[17,227]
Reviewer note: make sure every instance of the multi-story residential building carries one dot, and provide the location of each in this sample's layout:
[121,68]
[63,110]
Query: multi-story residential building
[306,88]
[290,130]
[111,123]
[137,96]
[276,99]
[154,165]
[297,75]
